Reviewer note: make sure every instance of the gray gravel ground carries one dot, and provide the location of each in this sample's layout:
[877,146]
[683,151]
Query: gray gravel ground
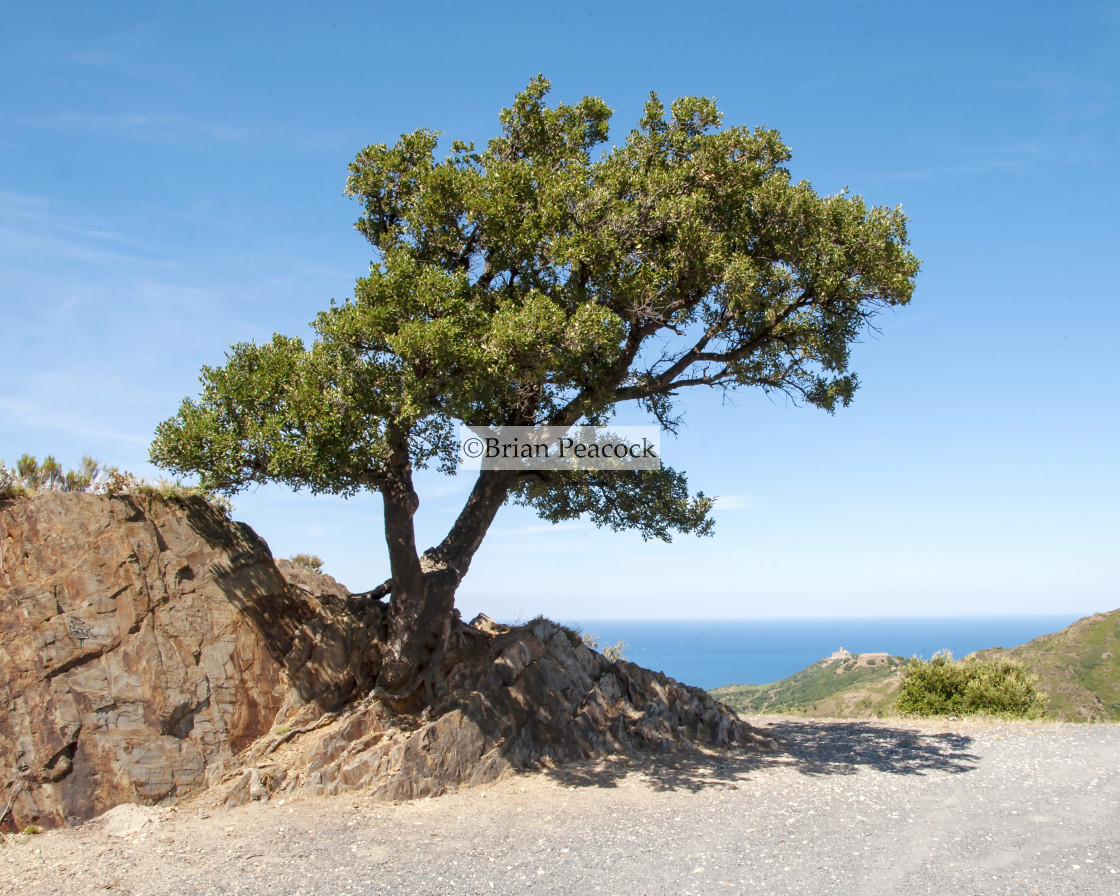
[848,807]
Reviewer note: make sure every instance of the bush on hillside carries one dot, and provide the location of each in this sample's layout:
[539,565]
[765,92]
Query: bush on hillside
[613,652]
[30,477]
[10,486]
[972,686]
[312,562]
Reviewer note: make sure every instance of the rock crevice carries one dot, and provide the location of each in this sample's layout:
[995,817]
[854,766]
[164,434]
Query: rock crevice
[109,649]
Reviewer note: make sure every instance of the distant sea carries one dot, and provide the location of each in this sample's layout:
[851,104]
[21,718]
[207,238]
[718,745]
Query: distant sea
[712,653]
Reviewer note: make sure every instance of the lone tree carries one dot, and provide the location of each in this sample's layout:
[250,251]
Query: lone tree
[531,283]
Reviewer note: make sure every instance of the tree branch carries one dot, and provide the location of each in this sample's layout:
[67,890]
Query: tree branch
[664,382]
[401,502]
[458,548]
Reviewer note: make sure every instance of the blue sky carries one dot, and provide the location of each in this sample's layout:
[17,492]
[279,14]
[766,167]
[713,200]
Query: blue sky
[171,182]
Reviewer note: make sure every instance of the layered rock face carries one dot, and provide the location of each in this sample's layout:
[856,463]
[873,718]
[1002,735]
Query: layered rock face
[150,649]
[141,647]
[511,698]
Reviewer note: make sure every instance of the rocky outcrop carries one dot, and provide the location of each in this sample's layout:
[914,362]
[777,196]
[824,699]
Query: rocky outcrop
[309,581]
[335,653]
[149,649]
[513,698]
[141,649]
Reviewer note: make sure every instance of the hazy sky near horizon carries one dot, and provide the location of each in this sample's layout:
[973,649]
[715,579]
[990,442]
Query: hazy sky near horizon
[171,182]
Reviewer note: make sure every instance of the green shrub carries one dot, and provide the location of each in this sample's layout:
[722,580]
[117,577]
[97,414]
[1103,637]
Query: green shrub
[575,636]
[177,491]
[31,478]
[89,476]
[972,686]
[10,485]
[613,652]
[308,561]
[572,634]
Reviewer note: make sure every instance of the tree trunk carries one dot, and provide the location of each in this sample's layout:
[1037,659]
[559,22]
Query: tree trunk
[419,627]
[422,601]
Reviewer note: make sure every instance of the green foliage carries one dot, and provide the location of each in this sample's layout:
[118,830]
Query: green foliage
[575,636]
[10,484]
[974,685]
[31,478]
[179,492]
[815,689]
[654,502]
[85,477]
[543,281]
[39,477]
[572,633]
[312,562]
[1078,667]
[613,652]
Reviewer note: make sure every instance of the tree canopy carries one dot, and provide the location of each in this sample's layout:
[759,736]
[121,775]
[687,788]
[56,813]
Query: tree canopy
[547,280]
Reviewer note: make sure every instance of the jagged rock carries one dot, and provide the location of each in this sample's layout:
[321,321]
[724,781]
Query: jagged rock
[335,654]
[318,583]
[514,698]
[149,649]
[141,648]
[256,784]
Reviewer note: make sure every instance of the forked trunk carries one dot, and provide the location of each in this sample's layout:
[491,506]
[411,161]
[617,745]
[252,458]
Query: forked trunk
[419,627]
[422,601]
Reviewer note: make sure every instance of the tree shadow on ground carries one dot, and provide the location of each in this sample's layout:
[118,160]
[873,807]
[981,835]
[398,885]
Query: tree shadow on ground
[810,747]
[831,748]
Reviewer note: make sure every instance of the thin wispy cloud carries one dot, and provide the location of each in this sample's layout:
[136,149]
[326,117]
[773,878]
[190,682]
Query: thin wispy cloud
[56,246]
[24,414]
[939,172]
[40,211]
[150,127]
[95,58]
[120,49]
[31,223]
[163,128]
[171,188]
[1059,89]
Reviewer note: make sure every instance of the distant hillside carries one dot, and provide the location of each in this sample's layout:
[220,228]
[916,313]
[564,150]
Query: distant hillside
[843,684]
[1078,667]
